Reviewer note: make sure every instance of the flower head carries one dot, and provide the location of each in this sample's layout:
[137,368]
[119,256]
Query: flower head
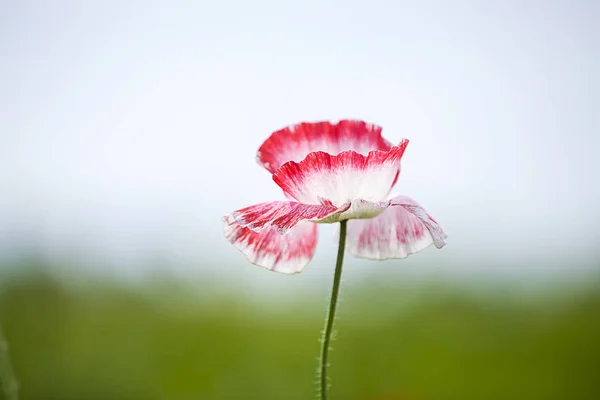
[330,173]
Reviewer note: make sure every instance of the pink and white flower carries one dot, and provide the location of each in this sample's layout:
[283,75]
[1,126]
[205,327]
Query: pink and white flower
[331,172]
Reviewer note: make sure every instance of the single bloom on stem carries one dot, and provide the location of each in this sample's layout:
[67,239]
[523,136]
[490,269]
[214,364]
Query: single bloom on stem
[331,173]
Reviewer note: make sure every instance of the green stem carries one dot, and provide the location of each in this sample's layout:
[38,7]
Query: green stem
[326,339]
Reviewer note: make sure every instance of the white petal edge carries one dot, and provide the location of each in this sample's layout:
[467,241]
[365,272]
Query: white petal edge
[404,228]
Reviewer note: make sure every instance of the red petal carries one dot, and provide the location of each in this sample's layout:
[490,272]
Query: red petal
[287,253]
[283,215]
[343,177]
[403,229]
[295,142]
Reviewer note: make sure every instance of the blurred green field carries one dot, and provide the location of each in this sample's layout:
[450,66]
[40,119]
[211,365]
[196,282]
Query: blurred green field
[435,341]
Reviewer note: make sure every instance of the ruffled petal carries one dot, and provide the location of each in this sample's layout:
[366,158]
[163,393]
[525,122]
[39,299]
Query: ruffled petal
[402,229]
[287,253]
[343,177]
[295,142]
[283,215]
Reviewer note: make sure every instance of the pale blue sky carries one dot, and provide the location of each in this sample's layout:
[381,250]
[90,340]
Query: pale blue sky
[128,128]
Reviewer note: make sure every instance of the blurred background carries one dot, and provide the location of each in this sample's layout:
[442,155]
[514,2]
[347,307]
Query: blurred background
[128,128]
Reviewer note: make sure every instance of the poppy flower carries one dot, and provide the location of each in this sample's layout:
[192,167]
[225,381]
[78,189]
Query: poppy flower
[331,173]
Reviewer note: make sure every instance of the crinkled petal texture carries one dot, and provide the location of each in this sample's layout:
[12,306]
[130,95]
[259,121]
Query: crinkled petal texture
[283,215]
[341,178]
[331,172]
[404,228]
[295,142]
[287,253]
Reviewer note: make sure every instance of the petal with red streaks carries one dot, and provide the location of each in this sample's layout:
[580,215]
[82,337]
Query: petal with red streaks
[288,253]
[284,215]
[295,142]
[341,178]
[404,228]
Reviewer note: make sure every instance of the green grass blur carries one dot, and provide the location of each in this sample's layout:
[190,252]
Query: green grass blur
[435,341]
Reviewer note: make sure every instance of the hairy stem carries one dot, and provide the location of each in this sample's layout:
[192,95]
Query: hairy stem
[326,339]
